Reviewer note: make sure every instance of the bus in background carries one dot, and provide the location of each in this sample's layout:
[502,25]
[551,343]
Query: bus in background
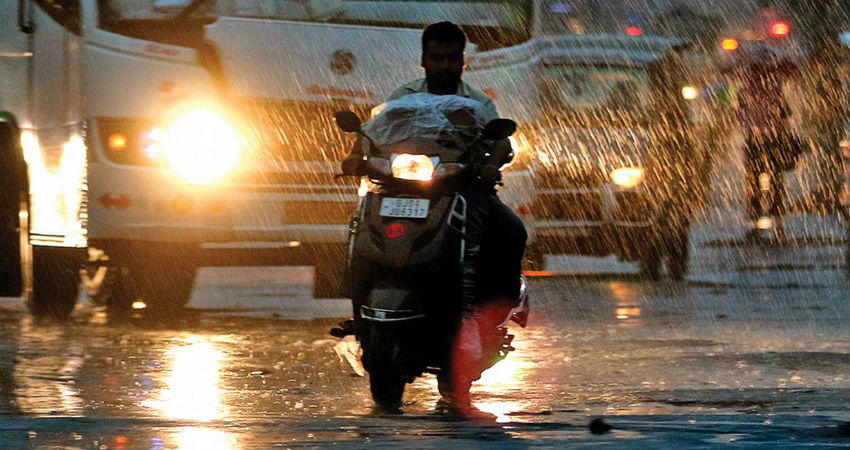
[161,132]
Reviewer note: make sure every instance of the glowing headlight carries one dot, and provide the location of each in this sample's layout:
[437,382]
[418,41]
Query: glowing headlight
[413,167]
[690,93]
[199,146]
[627,177]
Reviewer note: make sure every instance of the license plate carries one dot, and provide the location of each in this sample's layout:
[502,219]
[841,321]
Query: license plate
[410,208]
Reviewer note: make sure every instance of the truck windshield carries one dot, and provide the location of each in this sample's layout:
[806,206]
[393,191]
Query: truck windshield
[489,23]
[591,96]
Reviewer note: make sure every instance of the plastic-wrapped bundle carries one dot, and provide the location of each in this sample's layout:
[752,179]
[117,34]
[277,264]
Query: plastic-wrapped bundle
[427,116]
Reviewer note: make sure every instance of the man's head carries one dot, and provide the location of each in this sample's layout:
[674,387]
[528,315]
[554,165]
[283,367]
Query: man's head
[442,56]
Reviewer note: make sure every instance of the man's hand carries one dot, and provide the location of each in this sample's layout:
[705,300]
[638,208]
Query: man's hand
[491,174]
[353,165]
[500,154]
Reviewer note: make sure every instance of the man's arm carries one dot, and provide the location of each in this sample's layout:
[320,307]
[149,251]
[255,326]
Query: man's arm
[490,107]
[351,165]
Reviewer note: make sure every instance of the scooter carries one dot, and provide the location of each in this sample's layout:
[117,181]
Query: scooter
[406,250]
[768,204]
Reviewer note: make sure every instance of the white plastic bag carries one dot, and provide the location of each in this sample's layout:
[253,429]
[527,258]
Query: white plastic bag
[427,116]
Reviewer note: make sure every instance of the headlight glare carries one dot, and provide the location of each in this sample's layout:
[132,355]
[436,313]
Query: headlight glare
[199,146]
[413,167]
[627,177]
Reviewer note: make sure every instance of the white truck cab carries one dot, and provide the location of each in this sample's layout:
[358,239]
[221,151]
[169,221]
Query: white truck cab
[166,134]
[616,149]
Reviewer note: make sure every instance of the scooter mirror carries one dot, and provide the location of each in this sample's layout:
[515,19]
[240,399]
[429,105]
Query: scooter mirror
[347,121]
[498,129]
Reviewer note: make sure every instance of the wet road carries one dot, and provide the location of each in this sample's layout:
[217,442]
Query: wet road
[753,351]
[699,364]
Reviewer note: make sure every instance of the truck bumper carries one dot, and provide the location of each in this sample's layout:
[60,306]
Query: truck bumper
[595,221]
[143,204]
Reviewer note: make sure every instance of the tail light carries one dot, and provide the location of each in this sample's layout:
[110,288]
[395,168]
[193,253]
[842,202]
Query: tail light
[780,29]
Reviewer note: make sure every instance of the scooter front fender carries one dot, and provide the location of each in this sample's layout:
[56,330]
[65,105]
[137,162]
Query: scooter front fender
[392,304]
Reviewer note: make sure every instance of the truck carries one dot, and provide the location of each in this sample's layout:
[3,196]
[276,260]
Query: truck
[161,135]
[619,149]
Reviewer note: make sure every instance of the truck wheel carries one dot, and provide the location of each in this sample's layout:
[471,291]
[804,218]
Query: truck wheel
[650,255]
[162,275]
[328,262]
[386,378]
[678,254]
[55,281]
[167,282]
[11,280]
[13,174]
[650,264]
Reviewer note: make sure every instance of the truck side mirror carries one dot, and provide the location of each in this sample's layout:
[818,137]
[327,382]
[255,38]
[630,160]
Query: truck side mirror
[498,129]
[347,121]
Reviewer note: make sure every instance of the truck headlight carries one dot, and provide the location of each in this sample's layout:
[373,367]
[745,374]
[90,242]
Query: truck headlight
[627,177]
[199,146]
[413,167]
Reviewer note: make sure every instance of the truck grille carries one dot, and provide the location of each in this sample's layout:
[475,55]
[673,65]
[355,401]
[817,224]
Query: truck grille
[323,177]
[569,206]
[633,206]
[568,177]
[319,213]
[296,131]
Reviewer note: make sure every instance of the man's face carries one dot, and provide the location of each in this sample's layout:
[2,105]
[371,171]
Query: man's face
[443,64]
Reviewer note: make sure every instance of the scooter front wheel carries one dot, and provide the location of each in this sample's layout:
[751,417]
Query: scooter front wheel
[386,377]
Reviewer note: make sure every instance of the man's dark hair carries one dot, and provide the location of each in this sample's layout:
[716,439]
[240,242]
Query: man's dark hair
[445,32]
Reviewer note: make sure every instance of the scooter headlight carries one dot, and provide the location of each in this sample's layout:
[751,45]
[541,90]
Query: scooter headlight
[627,177]
[413,167]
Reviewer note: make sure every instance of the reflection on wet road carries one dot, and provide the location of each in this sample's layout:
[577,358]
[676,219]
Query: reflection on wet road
[191,391]
[663,361]
[44,380]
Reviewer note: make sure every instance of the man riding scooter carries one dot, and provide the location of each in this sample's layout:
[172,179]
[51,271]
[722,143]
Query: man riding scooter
[495,235]
[771,147]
